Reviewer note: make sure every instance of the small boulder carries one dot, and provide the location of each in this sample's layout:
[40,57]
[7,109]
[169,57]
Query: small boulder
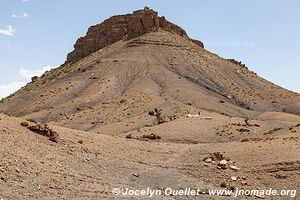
[34,78]
[208,160]
[223,164]
[235,168]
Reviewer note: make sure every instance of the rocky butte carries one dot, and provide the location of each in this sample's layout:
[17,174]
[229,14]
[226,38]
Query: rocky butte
[122,27]
[138,104]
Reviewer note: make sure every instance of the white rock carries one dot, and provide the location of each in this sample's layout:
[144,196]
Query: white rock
[192,116]
[235,168]
[223,164]
[234,178]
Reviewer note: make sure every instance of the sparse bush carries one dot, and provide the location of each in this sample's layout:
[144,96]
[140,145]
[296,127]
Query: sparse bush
[243,130]
[151,113]
[24,123]
[223,184]
[205,158]
[129,136]
[158,114]
[80,141]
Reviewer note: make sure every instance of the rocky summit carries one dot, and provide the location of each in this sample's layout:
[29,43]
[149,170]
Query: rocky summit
[138,104]
[122,27]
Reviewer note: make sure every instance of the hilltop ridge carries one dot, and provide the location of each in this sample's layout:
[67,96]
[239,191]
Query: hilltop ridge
[122,27]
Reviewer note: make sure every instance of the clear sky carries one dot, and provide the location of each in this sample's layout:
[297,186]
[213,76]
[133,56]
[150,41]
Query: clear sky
[36,35]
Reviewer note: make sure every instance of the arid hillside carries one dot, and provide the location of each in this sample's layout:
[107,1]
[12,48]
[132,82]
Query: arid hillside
[139,104]
[121,83]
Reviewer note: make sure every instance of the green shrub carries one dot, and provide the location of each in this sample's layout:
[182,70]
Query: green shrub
[205,158]
[24,123]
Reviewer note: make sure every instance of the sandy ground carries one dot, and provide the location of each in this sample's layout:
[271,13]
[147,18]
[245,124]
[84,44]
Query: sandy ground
[86,165]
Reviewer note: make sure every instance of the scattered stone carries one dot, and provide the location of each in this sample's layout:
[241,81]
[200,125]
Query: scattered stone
[234,178]
[172,117]
[193,116]
[223,164]
[129,136]
[152,136]
[236,62]
[279,176]
[208,160]
[235,168]
[122,101]
[244,183]
[136,175]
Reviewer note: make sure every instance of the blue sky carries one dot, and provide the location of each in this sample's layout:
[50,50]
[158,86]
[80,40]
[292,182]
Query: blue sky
[36,35]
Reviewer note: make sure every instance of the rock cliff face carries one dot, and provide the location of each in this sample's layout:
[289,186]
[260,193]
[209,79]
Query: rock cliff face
[122,27]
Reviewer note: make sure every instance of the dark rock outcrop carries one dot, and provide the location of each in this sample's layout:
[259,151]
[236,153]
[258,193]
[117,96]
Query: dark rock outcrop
[236,62]
[44,130]
[122,27]
[34,78]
